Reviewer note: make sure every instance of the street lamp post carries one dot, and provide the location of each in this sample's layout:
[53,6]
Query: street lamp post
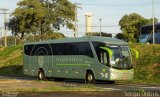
[76,5]
[0,36]
[5,20]
[153,21]
[100,27]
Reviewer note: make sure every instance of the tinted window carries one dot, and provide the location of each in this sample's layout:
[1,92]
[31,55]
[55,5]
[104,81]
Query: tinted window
[27,49]
[116,52]
[104,57]
[79,48]
[39,49]
[97,45]
[97,49]
[146,30]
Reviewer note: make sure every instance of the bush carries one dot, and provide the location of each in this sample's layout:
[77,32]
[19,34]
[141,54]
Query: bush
[147,65]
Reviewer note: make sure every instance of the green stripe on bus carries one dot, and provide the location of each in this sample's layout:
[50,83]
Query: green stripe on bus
[108,50]
[136,52]
[73,64]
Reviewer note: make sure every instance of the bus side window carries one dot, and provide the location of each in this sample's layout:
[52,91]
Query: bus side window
[77,48]
[104,57]
[85,49]
[28,49]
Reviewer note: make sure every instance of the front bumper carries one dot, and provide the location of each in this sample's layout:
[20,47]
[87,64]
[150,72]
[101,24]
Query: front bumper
[115,74]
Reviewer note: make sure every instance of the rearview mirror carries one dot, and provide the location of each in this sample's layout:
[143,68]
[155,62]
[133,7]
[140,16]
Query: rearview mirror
[136,52]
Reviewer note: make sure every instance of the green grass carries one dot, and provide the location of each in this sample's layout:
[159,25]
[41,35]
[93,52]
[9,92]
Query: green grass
[9,50]
[11,61]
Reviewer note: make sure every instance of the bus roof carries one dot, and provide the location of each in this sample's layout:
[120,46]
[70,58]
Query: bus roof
[157,24]
[107,40]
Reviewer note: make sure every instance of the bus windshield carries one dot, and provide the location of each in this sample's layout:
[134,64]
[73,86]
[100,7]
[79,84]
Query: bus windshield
[146,34]
[144,38]
[121,58]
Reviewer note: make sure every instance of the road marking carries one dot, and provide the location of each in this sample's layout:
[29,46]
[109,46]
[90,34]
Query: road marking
[109,88]
[139,86]
[146,87]
[151,87]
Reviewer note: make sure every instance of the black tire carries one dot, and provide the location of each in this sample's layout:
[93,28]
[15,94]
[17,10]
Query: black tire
[41,75]
[90,79]
[59,79]
[111,82]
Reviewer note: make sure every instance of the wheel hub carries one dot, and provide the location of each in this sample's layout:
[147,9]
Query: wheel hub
[40,75]
[90,77]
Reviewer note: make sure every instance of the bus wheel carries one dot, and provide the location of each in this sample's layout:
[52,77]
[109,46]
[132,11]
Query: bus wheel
[41,75]
[90,78]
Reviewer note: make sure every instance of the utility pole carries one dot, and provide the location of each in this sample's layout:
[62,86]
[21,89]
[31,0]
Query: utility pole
[0,36]
[100,27]
[153,21]
[75,23]
[0,32]
[14,34]
[5,21]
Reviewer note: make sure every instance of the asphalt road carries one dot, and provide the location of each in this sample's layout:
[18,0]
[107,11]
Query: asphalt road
[116,90]
[73,94]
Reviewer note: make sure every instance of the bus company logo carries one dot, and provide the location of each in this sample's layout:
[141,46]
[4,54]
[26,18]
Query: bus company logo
[124,76]
[9,94]
[40,60]
[69,59]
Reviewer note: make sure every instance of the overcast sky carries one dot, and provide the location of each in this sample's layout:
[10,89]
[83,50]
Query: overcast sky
[110,11]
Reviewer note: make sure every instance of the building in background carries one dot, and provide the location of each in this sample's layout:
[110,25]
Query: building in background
[88,23]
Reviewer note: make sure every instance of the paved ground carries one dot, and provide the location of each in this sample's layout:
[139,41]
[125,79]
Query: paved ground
[129,87]
[67,94]
[116,90]
[82,94]
[74,94]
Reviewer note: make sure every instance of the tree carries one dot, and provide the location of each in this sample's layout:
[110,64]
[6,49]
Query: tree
[30,38]
[40,16]
[121,36]
[10,41]
[102,34]
[130,25]
[36,38]
[28,17]
[62,12]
